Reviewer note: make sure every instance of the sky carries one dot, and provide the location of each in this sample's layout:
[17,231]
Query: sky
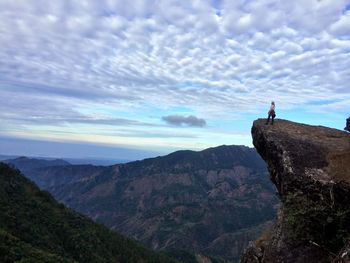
[142,78]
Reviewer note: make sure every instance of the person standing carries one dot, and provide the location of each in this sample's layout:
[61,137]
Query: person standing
[271,113]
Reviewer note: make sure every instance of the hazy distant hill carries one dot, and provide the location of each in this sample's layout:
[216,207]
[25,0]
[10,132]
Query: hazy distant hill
[36,162]
[26,164]
[96,161]
[5,157]
[35,228]
[213,201]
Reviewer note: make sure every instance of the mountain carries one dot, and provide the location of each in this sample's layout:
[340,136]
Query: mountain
[211,202]
[41,161]
[35,228]
[310,167]
[28,164]
[35,168]
[96,161]
[5,157]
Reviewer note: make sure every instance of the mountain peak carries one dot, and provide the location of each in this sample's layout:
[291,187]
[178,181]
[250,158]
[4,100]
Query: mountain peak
[224,156]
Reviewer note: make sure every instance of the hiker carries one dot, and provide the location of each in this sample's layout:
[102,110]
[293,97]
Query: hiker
[271,113]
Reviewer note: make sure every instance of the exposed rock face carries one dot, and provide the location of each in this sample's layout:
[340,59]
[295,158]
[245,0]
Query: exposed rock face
[310,166]
[347,127]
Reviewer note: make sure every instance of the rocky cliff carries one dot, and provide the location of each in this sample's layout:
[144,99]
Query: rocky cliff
[310,167]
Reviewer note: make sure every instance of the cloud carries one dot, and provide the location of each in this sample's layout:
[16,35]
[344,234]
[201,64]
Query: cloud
[178,120]
[113,54]
[342,26]
[68,64]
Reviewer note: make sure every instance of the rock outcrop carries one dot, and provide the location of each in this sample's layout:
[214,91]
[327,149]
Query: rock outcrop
[310,167]
[347,127]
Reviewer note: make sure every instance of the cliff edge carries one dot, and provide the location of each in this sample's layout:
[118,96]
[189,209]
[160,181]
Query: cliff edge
[310,167]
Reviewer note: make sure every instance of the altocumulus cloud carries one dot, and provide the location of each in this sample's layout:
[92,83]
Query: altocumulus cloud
[68,63]
[234,54]
[179,120]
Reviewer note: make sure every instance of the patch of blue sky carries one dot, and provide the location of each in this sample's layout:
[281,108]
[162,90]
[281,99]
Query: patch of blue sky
[239,123]
[347,7]
[188,85]
[146,115]
[217,4]
[108,13]
[330,119]
[322,102]
[179,110]
[111,112]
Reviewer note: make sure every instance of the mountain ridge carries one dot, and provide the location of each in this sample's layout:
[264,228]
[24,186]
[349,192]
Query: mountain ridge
[187,200]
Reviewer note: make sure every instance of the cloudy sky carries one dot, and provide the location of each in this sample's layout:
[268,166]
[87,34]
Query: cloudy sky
[164,75]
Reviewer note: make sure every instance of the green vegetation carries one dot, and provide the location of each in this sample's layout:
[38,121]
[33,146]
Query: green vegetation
[35,228]
[13,249]
[184,256]
[195,201]
[317,221]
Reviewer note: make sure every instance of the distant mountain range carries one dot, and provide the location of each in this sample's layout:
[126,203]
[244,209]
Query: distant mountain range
[211,202]
[93,161]
[5,157]
[35,228]
[30,164]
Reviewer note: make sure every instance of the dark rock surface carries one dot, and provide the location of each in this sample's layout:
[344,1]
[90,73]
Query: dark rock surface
[347,127]
[310,166]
